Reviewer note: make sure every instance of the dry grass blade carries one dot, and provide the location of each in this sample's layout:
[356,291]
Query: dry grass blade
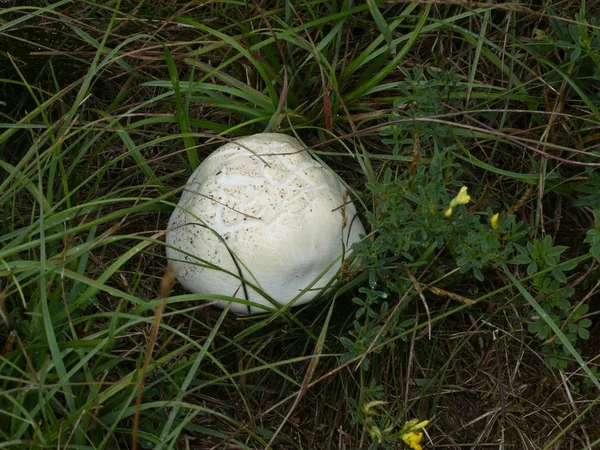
[166,283]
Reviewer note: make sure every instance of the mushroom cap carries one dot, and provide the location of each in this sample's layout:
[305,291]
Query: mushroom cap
[266,202]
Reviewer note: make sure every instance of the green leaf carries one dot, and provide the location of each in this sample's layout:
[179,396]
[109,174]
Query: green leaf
[568,265]
[563,44]
[520,259]
[559,275]
[583,333]
[380,22]
[532,268]
[540,328]
[183,113]
[557,250]
[596,250]
[564,304]
[583,309]
[575,32]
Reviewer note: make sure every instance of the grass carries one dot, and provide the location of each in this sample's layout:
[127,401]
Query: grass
[106,109]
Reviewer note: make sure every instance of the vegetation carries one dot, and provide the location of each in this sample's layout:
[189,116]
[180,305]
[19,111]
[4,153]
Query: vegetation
[468,134]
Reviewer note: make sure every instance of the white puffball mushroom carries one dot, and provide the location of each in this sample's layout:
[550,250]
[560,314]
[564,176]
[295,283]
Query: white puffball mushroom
[266,202]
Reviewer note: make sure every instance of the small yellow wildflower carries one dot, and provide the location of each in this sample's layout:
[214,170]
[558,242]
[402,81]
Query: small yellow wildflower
[413,439]
[411,434]
[495,221]
[462,198]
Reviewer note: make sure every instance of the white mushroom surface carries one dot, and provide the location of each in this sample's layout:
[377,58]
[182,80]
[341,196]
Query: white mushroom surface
[266,202]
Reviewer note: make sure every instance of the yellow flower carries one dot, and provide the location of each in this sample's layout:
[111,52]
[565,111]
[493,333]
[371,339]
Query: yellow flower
[462,198]
[411,434]
[413,439]
[495,221]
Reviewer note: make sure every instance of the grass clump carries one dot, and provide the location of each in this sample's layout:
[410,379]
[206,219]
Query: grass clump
[480,319]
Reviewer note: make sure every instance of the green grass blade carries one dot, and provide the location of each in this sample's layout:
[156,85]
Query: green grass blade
[557,331]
